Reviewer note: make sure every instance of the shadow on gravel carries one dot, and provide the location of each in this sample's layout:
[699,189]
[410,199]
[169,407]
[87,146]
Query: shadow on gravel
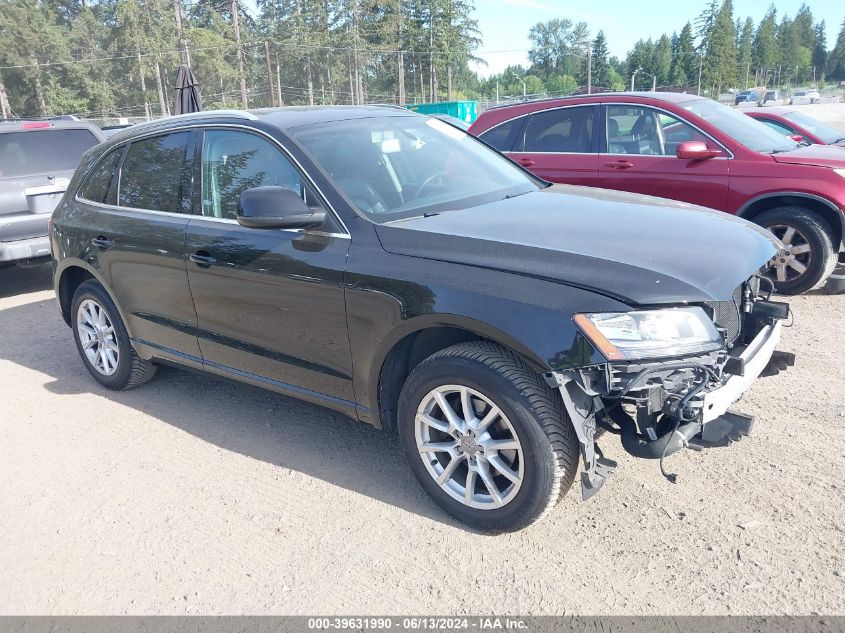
[15,280]
[254,422]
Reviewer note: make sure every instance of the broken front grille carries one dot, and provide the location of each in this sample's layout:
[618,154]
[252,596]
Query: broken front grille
[728,315]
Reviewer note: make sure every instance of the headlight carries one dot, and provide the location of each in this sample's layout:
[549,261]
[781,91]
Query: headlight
[841,172]
[650,333]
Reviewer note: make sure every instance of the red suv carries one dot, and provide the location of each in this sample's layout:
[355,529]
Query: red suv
[691,149]
[796,124]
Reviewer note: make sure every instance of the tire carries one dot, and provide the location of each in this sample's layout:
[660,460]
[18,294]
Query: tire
[802,229]
[545,452]
[115,364]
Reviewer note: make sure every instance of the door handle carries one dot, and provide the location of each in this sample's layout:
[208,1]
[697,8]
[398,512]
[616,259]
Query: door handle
[526,162]
[102,242]
[620,164]
[202,259]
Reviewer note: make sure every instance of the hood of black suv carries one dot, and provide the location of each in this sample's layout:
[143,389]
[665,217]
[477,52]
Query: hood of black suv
[639,249]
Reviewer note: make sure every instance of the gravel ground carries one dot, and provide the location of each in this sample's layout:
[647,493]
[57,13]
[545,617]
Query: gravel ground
[199,496]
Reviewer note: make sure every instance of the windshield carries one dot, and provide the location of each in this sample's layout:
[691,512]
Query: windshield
[742,128]
[825,132]
[404,166]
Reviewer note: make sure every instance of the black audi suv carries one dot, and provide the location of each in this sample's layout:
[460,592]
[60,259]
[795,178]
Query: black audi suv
[393,268]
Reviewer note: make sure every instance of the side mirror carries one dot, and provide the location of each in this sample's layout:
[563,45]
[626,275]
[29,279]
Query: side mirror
[797,138]
[696,150]
[275,207]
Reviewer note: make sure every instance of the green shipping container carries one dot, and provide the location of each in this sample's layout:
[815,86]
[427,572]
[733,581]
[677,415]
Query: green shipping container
[463,110]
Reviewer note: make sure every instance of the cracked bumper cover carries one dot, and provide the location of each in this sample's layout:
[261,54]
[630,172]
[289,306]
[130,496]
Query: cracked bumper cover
[708,420]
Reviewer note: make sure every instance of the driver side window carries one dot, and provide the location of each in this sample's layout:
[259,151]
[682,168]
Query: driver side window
[234,161]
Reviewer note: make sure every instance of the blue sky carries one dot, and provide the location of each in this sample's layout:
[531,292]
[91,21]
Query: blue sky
[504,24]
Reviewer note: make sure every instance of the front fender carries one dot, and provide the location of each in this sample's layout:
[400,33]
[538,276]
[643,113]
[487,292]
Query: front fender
[531,316]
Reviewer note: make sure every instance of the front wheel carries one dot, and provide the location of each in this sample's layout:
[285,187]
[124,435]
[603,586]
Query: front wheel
[486,437]
[808,256]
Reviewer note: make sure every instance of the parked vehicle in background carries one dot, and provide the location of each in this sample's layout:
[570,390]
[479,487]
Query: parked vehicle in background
[794,123]
[691,149]
[747,96]
[37,160]
[804,96]
[391,267]
[772,96]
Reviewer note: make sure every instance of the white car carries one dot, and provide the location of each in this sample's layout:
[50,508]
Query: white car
[804,96]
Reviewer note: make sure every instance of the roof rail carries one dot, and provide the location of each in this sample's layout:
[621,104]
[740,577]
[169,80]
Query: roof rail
[240,114]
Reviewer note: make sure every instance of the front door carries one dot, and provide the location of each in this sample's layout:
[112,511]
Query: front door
[639,156]
[269,302]
[560,146]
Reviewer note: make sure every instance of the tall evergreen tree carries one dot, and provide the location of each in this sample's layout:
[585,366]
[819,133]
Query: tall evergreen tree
[836,59]
[720,61]
[765,53]
[601,66]
[684,62]
[745,49]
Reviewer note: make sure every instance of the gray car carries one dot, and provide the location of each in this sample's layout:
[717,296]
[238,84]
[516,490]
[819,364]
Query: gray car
[37,160]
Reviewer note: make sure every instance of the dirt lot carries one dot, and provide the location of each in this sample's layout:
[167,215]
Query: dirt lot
[194,495]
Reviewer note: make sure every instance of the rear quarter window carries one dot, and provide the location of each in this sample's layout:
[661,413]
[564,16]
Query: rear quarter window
[501,137]
[43,151]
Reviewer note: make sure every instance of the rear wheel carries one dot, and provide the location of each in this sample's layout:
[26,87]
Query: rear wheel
[486,437]
[103,342]
[808,257]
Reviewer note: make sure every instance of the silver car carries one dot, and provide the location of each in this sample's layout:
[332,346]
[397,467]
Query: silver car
[37,160]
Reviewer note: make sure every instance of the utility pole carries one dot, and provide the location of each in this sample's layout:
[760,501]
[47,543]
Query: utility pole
[237,25]
[5,109]
[589,68]
[654,83]
[269,73]
[747,73]
[700,64]
[497,93]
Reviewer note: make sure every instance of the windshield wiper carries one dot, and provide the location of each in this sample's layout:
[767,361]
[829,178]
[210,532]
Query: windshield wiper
[514,195]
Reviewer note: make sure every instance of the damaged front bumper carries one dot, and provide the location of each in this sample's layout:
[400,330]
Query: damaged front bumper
[657,408]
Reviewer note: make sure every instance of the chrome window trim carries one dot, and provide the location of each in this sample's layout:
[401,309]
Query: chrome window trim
[192,216]
[203,126]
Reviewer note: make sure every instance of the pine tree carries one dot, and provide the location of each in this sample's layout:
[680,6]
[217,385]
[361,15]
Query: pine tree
[836,59]
[819,58]
[684,62]
[765,52]
[601,66]
[720,61]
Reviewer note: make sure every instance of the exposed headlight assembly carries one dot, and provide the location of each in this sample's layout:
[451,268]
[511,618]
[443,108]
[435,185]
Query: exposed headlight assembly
[645,334]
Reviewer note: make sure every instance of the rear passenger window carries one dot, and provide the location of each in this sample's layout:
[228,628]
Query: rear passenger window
[564,131]
[156,174]
[501,136]
[98,185]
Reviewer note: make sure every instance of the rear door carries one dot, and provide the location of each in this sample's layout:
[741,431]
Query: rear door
[638,155]
[36,159]
[135,226]
[561,145]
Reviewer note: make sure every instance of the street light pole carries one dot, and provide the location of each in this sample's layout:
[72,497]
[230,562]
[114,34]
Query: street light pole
[589,68]
[634,76]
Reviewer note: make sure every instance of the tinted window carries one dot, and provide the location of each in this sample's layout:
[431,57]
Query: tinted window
[98,184]
[155,174]
[568,130]
[235,161]
[42,151]
[740,127]
[501,136]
